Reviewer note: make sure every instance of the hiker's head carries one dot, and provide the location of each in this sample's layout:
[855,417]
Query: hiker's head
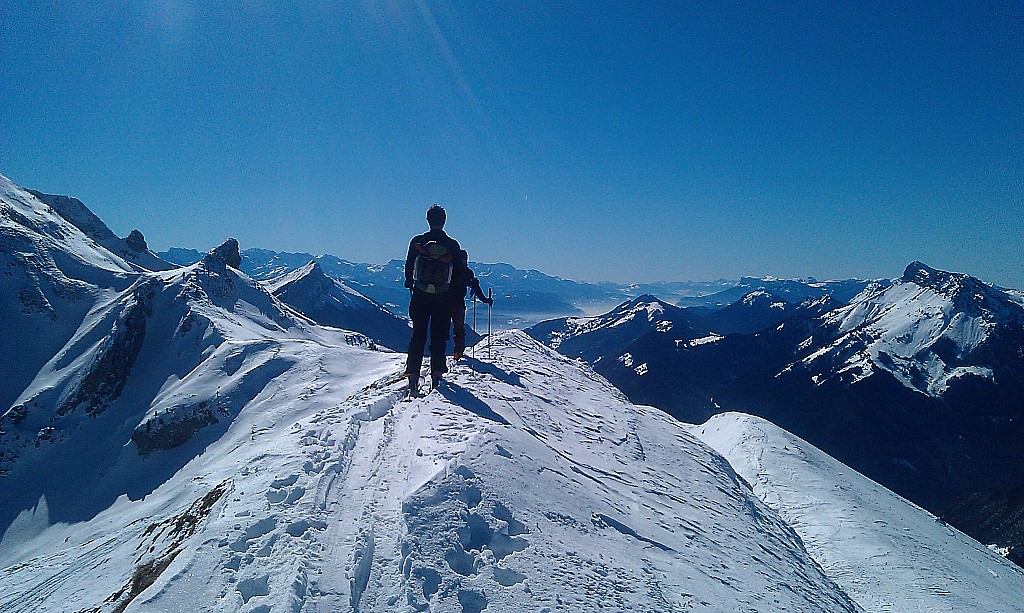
[436,217]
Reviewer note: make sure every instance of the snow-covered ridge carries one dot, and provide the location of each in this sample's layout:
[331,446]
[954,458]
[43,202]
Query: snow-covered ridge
[51,275]
[647,308]
[132,249]
[313,280]
[165,325]
[906,559]
[23,217]
[527,483]
[330,302]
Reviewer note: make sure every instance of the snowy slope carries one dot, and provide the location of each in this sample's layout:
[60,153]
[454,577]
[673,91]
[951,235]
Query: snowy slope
[527,484]
[608,336]
[918,384]
[923,329]
[132,249]
[330,302]
[51,275]
[887,553]
[170,361]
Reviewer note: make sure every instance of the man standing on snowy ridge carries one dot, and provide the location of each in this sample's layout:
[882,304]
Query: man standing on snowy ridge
[430,267]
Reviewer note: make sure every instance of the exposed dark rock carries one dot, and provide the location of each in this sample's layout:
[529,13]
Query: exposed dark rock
[173,429]
[136,241]
[106,377]
[176,530]
[226,254]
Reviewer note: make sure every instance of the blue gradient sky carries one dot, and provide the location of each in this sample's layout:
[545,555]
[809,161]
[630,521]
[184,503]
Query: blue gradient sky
[625,141]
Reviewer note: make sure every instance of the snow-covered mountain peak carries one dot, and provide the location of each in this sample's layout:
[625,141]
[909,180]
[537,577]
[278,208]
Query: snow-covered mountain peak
[967,293]
[75,211]
[644,299]
[648,305]
[619,327]
[330,302]
[131,249]
[311,278]
[54,274]
[762,297]
[28,224]
[926,276]
[923,329]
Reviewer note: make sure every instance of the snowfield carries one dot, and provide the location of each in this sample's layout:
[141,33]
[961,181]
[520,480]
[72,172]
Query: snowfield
[526,484]
[887,553]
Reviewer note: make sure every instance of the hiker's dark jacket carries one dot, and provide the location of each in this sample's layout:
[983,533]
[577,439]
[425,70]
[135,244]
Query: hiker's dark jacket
[465,281]
[423,239]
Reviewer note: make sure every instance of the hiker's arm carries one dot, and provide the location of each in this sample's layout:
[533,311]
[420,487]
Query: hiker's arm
[475,284]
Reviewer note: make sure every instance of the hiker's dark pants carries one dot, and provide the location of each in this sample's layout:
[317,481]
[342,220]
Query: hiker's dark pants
[459,326]
[431,310]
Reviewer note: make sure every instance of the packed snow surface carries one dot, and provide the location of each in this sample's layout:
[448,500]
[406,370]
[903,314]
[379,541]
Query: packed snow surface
[525,483]
[181,441]
[885,552]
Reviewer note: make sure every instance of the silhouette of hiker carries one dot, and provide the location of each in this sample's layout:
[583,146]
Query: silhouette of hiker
[464,282]
[431,265]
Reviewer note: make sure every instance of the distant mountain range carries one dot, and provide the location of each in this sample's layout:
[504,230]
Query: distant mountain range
[917,383]
[527,297]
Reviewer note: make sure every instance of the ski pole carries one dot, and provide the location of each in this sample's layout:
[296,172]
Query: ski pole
[490,301]
[474,325]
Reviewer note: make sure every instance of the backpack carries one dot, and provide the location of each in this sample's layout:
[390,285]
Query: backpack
[432,269]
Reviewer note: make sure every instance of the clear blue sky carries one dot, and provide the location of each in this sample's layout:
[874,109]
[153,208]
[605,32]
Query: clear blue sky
[625,141]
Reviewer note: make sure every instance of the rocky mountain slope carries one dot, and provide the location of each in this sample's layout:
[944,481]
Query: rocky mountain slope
[51,276]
